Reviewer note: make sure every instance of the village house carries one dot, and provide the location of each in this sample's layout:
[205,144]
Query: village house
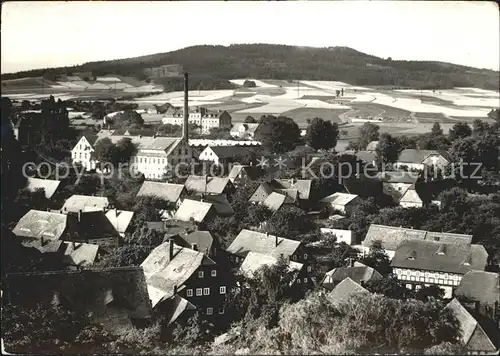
[342,202]
[84,203]
[240,175]
[295,190]
[395,184]
[201,240]
[421,263]
[411,199]
[208,185]
[418,159]
[390,237]
[220,203]
[174,270]
[359,273]
[196,211]
[223,155]
[252,241]
[477,339]
[344,236]
[204,142]
[275,201]
[201,117]
[117,298]
[169,192]
[245,130]
[120,219]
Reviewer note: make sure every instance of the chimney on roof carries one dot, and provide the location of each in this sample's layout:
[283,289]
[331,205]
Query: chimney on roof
[73,245]
[175,289]
[79,215]
[42,241]
[276,240]
[185,130]
[194,247]
[171,249]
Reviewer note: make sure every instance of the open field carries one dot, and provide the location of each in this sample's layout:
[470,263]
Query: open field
[402,111]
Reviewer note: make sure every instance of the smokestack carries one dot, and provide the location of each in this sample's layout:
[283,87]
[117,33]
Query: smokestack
[186,109]
[171,249]
[79,215]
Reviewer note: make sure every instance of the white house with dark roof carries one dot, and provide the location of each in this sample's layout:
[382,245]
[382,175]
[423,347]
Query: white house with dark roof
[245,130]
[390,237]
[422,263]
[342,202]
[223,154]
[255,260]
[204,118]
[418,159]
[359,273]
[411,199]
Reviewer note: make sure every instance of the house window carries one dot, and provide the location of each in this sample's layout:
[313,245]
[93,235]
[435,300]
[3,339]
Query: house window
[421,279]
[210,311]
[294,258]
[199,292]
[213,273]
[431,280]
[412,278]
[309,268]
[305,256]
[221,310]
[305,280]
[440,281]
[298,281]
[201,274]
[189,292]
[222,290]
[206,291]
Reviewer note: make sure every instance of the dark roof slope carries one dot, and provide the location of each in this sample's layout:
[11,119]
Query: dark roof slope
[480,286]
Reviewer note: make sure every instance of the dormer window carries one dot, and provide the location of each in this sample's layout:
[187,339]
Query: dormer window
[468,260]
[441,250]
[412,256]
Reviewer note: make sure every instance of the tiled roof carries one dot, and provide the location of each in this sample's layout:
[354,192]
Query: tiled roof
[436,256]
[480,286]
[411,196]
[76,202]
[202,184]
[202,239]
[80,254]
[92,289]
[219,201]
[344,290]
[339,198]
[45,246]
[254,260]
[291,195]
[396,194]
[253,172]
[391,236]
[398,177]
[176,306]
[302,185]
[120,219]
[230,151]
[253,241]
[92,225]
[50,186]
[163,274]
[261,193]
[472,335]
[167,191]
[192,209]
[41,224]
[274,201]
[411,155]
[357,273]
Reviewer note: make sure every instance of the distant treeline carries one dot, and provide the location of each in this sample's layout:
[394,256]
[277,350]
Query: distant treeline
[215,65]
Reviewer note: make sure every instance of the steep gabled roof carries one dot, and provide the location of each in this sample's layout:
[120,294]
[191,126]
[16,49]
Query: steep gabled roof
[167,191]
[192,209]
[411,196]
[472,335]
[339,198]
[120,219]
[253,241]
[49,186]
[230,151]
[344,290]
[210,185]
[480,286]
[41,224]
[357,273]
[202,239]
[254,260]
[303,186]
[441,257]
[163,274]
[80,254]
[261,193]
[253,172]
[411,155]
[274,201]
[219,202]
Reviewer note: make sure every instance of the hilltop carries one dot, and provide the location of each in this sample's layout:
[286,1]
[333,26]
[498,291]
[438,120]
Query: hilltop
[212,66]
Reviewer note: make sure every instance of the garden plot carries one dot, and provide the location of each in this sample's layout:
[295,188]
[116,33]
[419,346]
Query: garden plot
[460,97]
[320,104]
[71,85]
[108,79]
[274,107]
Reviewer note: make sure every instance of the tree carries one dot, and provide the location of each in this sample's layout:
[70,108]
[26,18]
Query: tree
[390,287]
[125,149]
[436,130]
[322,134]
[290,221]
[377,258]
[249,84]
[425,293]
[459,130]
[368,132]
[249,120]
[105,151]
[387,149]
[480,127]
[125,256]
[278,135]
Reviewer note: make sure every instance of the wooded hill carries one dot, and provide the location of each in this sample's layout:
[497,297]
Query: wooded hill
[211,66]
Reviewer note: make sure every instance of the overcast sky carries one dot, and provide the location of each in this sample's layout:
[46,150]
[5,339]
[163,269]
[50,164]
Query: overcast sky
[51,34]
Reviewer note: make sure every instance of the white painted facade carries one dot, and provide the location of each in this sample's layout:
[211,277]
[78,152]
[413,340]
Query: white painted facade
[415,279]
[208,155]
[81,153]
[205,120]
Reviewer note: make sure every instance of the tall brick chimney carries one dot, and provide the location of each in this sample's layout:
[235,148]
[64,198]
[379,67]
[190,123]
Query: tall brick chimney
[185,126]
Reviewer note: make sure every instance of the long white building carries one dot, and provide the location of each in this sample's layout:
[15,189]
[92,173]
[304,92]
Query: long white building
[201,117]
